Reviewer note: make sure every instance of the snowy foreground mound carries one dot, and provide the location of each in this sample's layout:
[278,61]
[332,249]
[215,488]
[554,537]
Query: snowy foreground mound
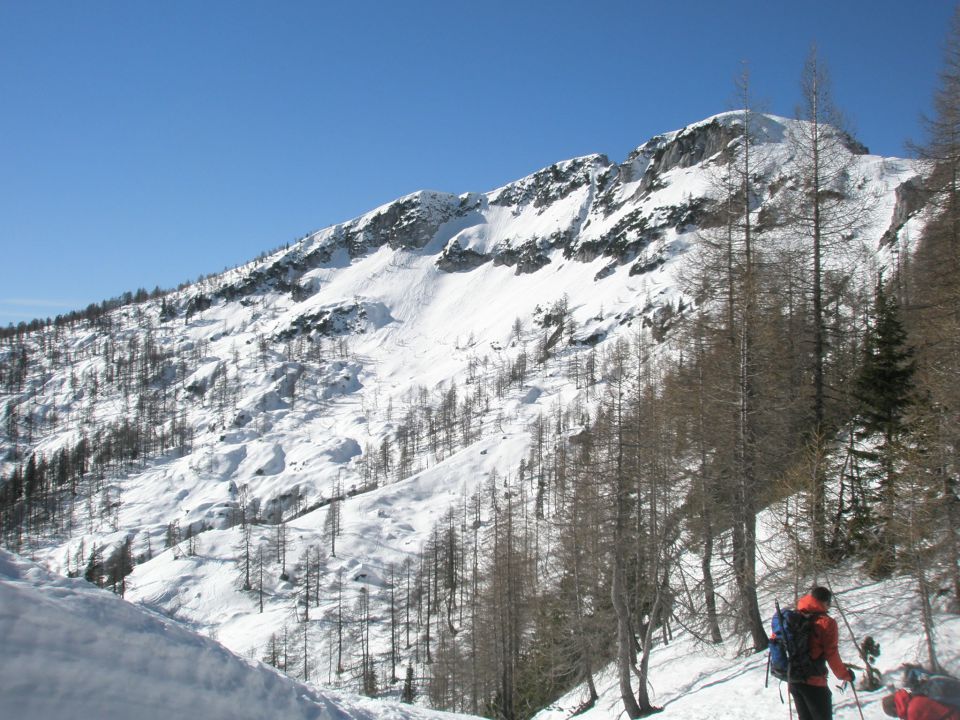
[69,650]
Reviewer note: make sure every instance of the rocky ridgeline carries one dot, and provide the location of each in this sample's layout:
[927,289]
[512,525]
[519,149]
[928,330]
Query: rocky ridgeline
[620,217]
[410,223]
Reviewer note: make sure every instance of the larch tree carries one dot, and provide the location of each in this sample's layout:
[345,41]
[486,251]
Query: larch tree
[726,278]
[934,310]
[692,392]
[612,426]
[822,212]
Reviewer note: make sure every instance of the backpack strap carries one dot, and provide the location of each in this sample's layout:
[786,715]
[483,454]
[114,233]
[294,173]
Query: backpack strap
[819,662]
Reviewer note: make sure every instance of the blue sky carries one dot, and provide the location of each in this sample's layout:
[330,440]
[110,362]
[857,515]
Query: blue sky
[147,143]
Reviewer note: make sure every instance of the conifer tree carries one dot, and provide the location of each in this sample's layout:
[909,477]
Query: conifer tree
[820,212]
[884,390]
[728,276]
[934,279]
[409,693]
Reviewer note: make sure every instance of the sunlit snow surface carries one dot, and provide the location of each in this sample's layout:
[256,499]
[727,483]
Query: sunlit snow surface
[68,650]
[695,680]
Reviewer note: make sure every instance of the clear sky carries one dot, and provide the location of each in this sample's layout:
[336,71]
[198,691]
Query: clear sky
[146,143]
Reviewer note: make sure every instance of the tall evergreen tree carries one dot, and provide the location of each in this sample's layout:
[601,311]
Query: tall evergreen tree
[885,391]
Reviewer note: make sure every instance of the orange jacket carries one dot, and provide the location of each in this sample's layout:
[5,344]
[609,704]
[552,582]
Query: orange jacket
[824,641]
[919,707]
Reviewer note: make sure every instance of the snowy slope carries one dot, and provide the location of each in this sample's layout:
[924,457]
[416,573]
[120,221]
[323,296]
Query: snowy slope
[693,679]
[291,372]
[71,651]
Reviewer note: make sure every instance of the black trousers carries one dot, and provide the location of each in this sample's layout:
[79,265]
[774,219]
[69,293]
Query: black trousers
[813,702]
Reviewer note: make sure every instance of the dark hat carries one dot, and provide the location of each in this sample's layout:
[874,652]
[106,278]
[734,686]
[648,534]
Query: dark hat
[822,594]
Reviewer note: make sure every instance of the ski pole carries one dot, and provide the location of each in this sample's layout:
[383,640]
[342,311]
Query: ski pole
[857,699]
[853,685]
[843,616]
[863,655]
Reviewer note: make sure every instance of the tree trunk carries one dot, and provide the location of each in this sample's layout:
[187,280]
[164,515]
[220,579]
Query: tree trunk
[709,588]
[625,640]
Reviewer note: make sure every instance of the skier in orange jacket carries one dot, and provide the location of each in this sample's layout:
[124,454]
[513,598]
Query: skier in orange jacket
[812,696]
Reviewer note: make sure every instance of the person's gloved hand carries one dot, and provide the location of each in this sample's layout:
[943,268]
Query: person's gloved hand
[851,677]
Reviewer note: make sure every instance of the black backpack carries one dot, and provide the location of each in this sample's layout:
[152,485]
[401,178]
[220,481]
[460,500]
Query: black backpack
[944,689]
[790,646]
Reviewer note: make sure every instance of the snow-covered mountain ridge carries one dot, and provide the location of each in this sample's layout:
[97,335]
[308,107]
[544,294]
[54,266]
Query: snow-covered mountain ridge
[586,207]
[294,387]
